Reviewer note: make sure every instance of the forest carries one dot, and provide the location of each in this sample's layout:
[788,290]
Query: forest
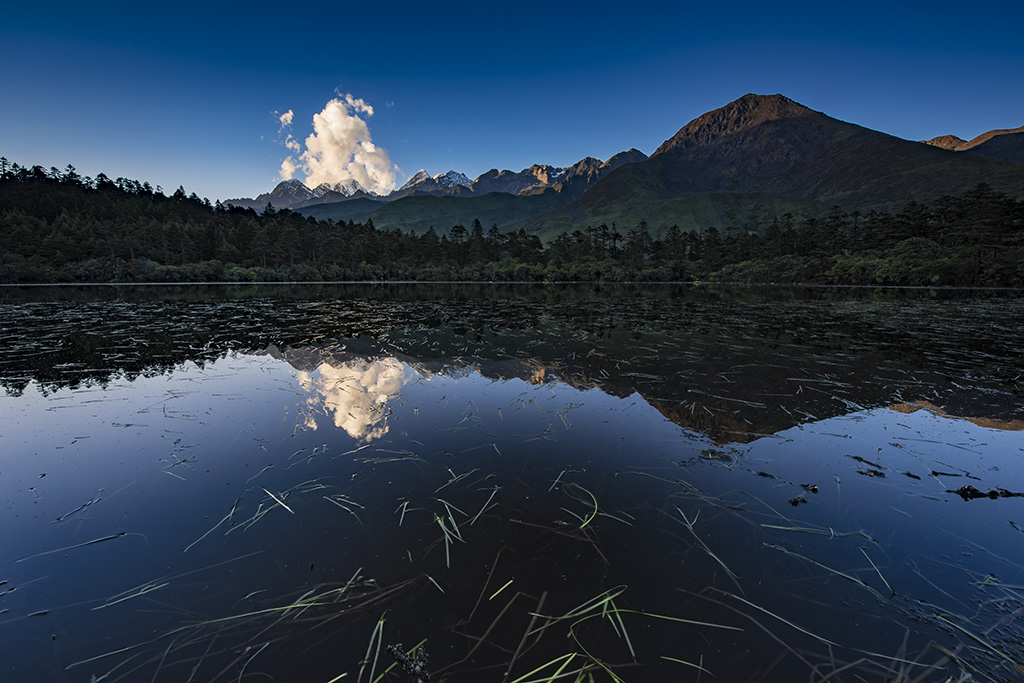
[59,226]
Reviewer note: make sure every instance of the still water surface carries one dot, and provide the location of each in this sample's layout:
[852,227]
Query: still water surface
[528,484]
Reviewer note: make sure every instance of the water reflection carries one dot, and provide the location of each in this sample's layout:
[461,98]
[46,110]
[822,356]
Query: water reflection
[354,394]
[986,422]
[723,364]
[271,488]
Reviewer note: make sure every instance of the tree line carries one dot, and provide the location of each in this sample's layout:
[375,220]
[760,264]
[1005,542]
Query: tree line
[59,226]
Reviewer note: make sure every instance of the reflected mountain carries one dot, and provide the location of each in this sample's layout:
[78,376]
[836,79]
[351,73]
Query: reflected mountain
[731,364]
[985,422]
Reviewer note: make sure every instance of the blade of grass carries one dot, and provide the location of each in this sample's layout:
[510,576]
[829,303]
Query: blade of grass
[279,501]
[878,572]
[73,547]
[525,678]
[827,568]
[784,621]
[491,497]
[526,634]
[716,558]
[500,589]
[376,637]
[681,661]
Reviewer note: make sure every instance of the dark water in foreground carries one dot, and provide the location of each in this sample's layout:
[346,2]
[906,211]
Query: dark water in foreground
[534,483]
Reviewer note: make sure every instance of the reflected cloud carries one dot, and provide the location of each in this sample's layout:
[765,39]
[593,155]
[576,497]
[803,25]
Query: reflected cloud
[354,394]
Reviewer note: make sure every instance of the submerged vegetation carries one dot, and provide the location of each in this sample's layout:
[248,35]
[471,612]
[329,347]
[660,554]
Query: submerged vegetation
[58,226]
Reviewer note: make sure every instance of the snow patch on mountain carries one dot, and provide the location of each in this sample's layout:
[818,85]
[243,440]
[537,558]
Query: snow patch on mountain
[346,187]
[290,188]
[421,176]
[452,179]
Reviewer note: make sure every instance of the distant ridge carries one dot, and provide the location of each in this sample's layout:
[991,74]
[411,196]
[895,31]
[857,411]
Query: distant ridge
[950,142]
[1006,144]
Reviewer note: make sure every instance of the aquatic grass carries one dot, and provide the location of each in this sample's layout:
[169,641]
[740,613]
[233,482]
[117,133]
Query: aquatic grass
[80,545]
[455,478]
[570,486]
[776,616]
[484,506]
[449,537]
[613,613]
[226,518]
[279,501]
[352,598]
[689,525]
[134,593]
[484,638]
[526,635]
[343,501]
[162,582]
[1016,665]
[875,567]
[787,648]
[597,602]
[495,594]
[249,661]
[818,531]
[837,572]
[260,472]
[562,662]
[99,679]
[568,531]
[377,637]
[688,488]
[90,503]
[690,664]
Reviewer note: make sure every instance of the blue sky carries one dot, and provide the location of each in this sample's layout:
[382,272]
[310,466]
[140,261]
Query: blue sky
[190,93]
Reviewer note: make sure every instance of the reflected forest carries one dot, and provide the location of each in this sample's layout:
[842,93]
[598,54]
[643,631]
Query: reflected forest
[58,226]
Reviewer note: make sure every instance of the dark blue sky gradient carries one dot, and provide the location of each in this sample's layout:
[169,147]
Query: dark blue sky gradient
[184,93]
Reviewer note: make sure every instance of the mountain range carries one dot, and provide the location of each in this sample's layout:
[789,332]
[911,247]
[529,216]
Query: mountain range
[294,194]
[740,165]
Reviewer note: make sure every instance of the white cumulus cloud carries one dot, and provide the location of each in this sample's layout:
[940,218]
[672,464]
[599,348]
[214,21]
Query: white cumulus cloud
[287,169]
[340,148]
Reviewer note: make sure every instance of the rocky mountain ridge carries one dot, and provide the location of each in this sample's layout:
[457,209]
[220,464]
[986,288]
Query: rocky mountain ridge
[295,194]
[1006,144]
[569,182]
[763,156]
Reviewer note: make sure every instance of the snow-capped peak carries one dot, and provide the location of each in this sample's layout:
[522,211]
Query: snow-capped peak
[346,187]
[295,189]
[419,177]
[451,179]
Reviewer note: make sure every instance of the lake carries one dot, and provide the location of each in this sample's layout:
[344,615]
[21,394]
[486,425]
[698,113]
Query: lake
[510,483]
